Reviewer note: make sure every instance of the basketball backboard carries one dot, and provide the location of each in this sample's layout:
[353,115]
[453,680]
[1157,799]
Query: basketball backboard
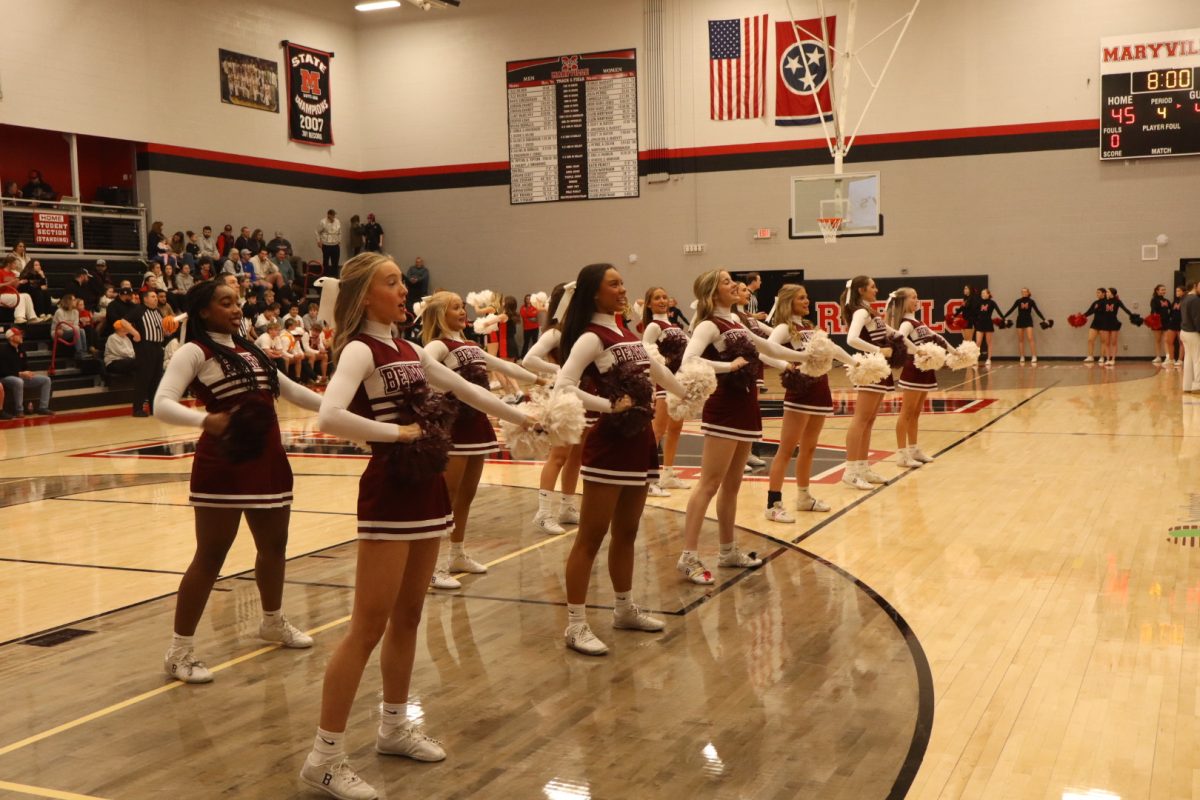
[854,195]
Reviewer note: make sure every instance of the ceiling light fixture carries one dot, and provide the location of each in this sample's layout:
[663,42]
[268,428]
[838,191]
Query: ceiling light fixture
[379,5]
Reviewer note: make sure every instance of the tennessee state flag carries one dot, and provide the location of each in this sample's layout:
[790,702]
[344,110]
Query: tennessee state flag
[804,69]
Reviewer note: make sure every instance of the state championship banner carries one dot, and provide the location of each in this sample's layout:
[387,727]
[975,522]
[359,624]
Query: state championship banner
[309,115]
[803,69]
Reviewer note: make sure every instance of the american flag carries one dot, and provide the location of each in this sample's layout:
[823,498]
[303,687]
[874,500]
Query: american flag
[737,71]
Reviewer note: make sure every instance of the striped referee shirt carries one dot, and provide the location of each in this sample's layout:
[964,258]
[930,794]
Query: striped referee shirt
[151,327]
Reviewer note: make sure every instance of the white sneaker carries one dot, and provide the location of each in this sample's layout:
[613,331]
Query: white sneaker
[465,563]
[871,476]
[855,479]
[285,633]
[919,456]
[777,513]
[693,569]
[1088,360]
[579,637]
[755,461]
[336,778]
[442,579]
[1179,363]
[1022,359]
[1156,360]
[654,490]
[987,363]
[182,665]
[736,559]
[1110,363]
[406,739]
[811,503]
[747,469]
[634,619]
[670,480]
[904,459]
[568,514]
[546,524]
[1033,360]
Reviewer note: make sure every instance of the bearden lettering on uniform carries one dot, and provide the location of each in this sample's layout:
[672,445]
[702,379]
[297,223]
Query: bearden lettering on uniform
[398,376]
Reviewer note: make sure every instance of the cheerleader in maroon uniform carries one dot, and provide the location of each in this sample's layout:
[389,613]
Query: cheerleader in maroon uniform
[731,420]
[472,437]
[804,410]
[671,340]
[226,372]
[901,313]
[869,334]
[379,394]
[562,463]
[620,456]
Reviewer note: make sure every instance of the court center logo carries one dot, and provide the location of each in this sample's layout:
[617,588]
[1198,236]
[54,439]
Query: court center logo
[804,67]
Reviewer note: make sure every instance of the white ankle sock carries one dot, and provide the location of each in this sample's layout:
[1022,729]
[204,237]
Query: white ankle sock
[624,600]
[726,548]
[851,469]
[802,493]
[543,501]
[182,642]
[273,617]
[392,715]
[566,500]
[688,555]
[328,744]
[576,613]
[456,550]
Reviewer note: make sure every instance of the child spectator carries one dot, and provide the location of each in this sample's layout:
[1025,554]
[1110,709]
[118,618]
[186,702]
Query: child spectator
[315,351]
[65,325]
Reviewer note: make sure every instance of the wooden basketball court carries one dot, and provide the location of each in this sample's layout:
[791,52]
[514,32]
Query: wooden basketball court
[1007,622]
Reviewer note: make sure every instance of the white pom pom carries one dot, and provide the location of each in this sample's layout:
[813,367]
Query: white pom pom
[867,368]
[525,444]
[485,299]
[964,356]
[820,349]
[539,300]
[929,356]
[487,324]
[418,308]
[653,352]
[561,416]
[700,381]
[472,299]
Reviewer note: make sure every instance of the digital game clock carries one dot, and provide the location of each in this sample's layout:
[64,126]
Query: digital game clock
[1150,95]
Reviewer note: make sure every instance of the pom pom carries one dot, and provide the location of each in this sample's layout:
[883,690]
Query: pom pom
[699,381]
[999,322]
[561,420]
[1077,320]
[628,378]
[246,435]
[483,299]
[899,352]
[671,349]
[746,378]
[488,324]
[963,356]
[654,353]
[867,368]
[929,357]
[797,381]
[1154,322]
[956,323]
[428,455]
[821,351]
[539,300]
[472,299]
[1136,319]
[525,444]
[1047,324]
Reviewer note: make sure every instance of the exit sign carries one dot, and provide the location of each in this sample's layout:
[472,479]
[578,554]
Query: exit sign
[762,233]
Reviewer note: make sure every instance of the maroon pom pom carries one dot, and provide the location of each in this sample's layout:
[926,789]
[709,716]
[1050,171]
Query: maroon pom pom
[794,380]
[246,435]
[956,323]
[746,378]
[427,456]
[899,352]
[1047,324]
[671,348]
[628,378]
[1077,320]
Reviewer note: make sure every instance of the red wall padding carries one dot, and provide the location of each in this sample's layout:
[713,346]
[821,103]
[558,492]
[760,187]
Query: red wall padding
[102,162]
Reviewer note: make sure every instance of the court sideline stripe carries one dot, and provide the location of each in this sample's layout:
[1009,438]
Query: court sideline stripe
[88,566]
[843,511]
[41,791]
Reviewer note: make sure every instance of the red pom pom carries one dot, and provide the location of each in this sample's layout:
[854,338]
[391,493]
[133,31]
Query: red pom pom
[1153,322]
[1077,320]
[956,323]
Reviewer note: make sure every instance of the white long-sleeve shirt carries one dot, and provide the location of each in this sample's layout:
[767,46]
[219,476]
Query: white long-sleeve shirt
[858,324]
[588,349]
[707,333]
[783,335]
[438,351]
[535,359]
[185,367]
[355,365]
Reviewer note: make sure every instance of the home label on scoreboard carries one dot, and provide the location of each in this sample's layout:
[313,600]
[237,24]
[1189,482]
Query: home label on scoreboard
[573,127]
[1150,87]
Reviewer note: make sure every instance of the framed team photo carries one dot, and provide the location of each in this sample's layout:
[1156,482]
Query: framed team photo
[249,81]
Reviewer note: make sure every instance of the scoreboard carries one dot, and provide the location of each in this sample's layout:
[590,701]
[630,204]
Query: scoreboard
[1150,95]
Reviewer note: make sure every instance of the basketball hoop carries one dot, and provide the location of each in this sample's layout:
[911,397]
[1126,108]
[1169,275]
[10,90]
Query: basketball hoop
[829,228]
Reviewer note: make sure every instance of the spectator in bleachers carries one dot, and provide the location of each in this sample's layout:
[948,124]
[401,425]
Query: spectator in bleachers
[166,256]
[154,277]
[178,245]
[278,242]
[232,265]
[204,269]
[372,235]
[11,189]
[269,316]
[119,308]
[164,307]
[17,377]
[248,268]
[154,238]
[293,315]
[261,260]
[119,356]
[101,316]
[170,279]
[283,262]
[294,351]
[311,318]
[18,252]
[100,279]
[22,306]
[418,281]
[258,240]
[356,235]
[32,281]
[184,281]
[87,323]
[225,243]
[191,249]
[329,239]
[313,342]
[244,240]
[270,342]
[85,289]
[66,327]
[208,244]
[36,188]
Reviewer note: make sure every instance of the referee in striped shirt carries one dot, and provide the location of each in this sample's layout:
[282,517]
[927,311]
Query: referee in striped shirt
[149,341]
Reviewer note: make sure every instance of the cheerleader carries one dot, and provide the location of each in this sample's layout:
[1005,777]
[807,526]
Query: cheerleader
[376,396]
[1026,307]
[563,460]
[1099,324]
[1111,333]
[1160,305]
[731,420]
[671,340]
[498,347]
[620,457]
[984,326]
[915,383]
[226,371]
[804,411]
[970,305]
[863,320]
[442,322]
[1174,325]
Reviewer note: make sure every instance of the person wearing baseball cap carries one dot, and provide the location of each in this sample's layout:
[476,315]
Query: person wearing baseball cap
[17,378]
[373,234]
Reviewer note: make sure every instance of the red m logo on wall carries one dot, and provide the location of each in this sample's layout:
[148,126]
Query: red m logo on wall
[310,82]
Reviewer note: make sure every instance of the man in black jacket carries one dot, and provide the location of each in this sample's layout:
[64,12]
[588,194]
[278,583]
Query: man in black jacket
[16,377]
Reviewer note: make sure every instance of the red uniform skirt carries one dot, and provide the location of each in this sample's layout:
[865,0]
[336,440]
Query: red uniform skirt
[732,414]
[609,457]
[472,434]
[816,400]
[917,380]
[394,511]
[264,482]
